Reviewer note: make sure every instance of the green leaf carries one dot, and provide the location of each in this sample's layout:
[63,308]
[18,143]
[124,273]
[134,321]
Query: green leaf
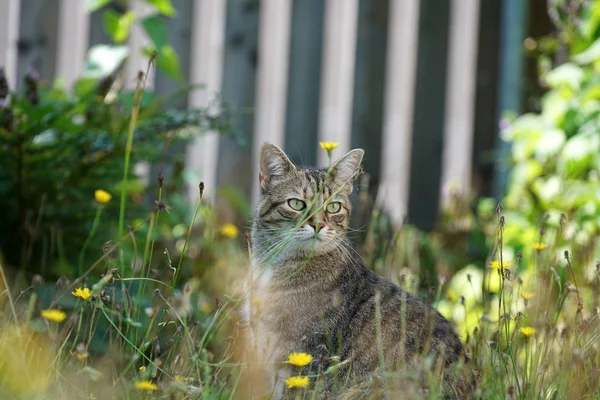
[117,25]
[93,5]
[164,7]
[156,30]
[579,152]
[167,61]
[590,20]
[550,144]
[589,55]
[103,60]
[85,86]
[525,126]
[567,74]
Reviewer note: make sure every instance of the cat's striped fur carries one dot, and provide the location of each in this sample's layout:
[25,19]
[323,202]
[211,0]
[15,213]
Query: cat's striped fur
[315,296]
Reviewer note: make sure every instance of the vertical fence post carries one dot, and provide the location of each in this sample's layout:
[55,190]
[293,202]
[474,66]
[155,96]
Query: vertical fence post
[515,14]
[402,56]
[9,35]
[73,40]
[138,40]
[206,68]
[337,79]
[460,94]
[273,58]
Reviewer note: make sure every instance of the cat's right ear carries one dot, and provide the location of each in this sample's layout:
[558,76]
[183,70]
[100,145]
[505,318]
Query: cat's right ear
[273,164]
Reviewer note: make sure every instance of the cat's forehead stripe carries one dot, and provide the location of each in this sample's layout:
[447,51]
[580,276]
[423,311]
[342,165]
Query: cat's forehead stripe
[315,176]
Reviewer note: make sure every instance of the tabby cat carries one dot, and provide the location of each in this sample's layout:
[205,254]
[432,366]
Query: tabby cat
[310,292]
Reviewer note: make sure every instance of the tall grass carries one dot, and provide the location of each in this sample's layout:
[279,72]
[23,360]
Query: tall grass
[530,334]
[538,345]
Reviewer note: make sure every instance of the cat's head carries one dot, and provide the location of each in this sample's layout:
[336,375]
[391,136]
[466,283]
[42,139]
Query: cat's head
[302,211]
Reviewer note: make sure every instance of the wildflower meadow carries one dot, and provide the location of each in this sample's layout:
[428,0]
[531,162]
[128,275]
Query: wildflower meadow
[114,286]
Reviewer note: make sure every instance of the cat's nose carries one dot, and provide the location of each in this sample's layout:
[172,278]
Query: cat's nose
[317,227]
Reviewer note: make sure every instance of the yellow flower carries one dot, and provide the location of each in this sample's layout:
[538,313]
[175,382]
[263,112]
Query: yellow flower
[54,315]
[146,385]
[229,230]
[496,264]
[539,246]
[527,295]
[82,356]
[528,331]
[179,378]
[84,293]
[328,146]
[299,359]
[102,196]
[297,382]
[206,308]
[143,368]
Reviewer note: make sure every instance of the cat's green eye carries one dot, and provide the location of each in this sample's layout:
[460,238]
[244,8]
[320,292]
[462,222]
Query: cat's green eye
[333,208]
[297,204]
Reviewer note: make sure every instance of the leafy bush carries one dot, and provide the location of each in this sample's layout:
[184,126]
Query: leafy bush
[57,148]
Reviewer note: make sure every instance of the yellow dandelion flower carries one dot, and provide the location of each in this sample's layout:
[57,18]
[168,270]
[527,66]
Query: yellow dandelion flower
[539,246]
[102,196]
[527,295]
[496,264]
[146,385]
[528,331]
[328,146]
[142,368]
[206,308]
[84,293]
[229,230]
[297,382]
[54,315]
[299,359]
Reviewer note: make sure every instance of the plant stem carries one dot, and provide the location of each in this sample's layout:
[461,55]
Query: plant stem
[89,239]
[189,232]
[128,147]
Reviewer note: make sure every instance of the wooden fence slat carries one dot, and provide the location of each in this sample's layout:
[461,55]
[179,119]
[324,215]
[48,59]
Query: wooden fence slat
[337,79]
[273,59]
[401,70]
[9,35]
[460,94]
[138,40]
[73,40]
[206,67]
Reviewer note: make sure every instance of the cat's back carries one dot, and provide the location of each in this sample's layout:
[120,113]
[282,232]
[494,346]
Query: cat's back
[382,320]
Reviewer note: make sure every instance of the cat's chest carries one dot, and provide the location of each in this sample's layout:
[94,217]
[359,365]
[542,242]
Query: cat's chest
[292,310]
[295,312]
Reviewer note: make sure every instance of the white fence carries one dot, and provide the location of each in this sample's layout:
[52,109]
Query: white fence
[206,63]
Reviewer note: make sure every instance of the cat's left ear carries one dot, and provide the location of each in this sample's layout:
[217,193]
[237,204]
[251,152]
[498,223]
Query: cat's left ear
[347,168]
